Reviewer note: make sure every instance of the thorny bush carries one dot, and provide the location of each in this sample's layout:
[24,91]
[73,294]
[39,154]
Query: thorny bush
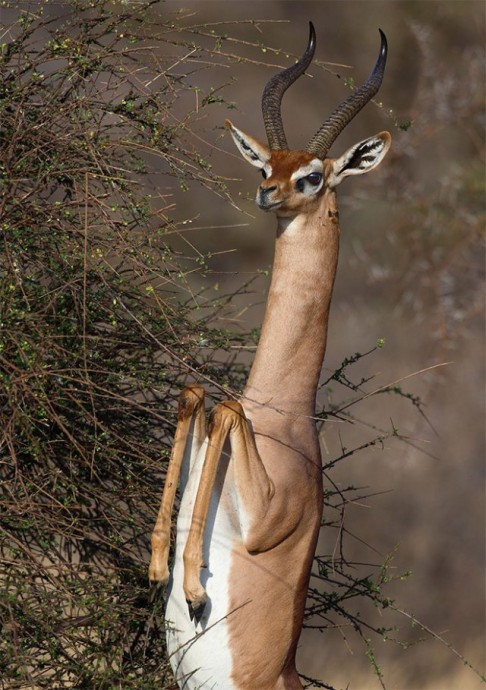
[98,335]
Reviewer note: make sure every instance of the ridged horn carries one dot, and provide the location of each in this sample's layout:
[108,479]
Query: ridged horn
[322,141]
[275,89]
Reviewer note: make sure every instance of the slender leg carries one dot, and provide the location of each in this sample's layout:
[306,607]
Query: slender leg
[191,407]
[226,419]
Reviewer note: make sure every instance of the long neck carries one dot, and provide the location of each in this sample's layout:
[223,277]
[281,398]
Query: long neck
[288,361]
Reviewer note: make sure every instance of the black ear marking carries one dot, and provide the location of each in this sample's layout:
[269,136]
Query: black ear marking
[246,148]
[364,155]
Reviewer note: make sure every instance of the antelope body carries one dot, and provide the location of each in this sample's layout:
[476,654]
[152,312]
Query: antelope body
[251,482]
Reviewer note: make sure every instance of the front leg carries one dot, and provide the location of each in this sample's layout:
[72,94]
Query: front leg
[191,410]
[254,491]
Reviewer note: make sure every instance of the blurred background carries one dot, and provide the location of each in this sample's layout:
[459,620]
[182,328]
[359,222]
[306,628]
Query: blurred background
[411,272]
[411,278]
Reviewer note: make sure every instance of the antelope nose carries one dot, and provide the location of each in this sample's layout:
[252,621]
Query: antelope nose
[266,190]
[265,197]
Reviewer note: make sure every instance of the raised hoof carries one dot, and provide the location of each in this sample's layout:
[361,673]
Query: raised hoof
[196,607]
[156,592]
[157,585]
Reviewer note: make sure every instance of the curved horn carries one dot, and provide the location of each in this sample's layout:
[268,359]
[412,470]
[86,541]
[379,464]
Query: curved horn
[322,141]
[275,89]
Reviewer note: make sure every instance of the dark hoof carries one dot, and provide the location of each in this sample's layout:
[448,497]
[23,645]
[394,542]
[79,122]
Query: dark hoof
[196,608]
[156,591]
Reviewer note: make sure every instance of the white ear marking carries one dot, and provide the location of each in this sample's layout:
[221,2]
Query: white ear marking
[251,149]
[360,158]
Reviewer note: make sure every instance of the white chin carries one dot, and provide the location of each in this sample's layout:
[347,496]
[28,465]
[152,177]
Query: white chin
[269,207]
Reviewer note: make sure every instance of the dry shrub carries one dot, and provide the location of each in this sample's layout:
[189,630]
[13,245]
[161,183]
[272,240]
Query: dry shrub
[98,335]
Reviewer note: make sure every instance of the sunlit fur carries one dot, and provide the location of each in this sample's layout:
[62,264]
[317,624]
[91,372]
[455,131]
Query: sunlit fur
[279,191]
[251,482]
[284,165]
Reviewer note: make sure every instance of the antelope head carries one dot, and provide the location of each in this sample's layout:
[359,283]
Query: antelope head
[295,182]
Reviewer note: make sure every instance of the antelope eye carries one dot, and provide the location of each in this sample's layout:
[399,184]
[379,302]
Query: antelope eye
[264,174]
[314,178]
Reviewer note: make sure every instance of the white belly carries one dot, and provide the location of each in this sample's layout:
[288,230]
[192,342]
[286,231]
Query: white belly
[199,653]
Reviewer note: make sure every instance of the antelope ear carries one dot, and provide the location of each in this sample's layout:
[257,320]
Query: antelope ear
[252,150]
[360,158]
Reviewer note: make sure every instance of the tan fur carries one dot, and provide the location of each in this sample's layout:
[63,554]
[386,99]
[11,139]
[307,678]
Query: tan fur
[271,489]
[191,407]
